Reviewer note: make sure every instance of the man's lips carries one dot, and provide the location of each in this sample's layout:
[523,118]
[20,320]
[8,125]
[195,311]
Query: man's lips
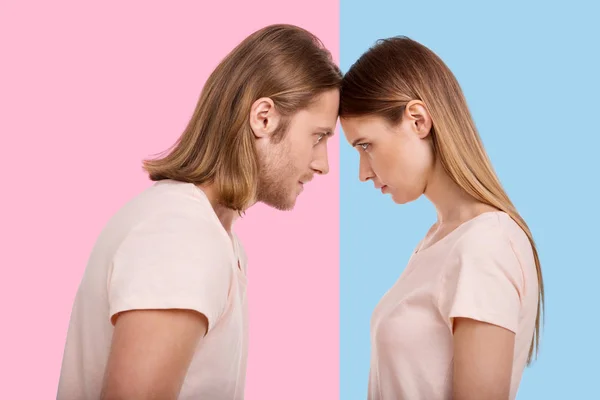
[303,181]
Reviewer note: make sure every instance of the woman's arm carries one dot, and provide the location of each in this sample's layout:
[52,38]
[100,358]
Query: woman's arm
[483,358]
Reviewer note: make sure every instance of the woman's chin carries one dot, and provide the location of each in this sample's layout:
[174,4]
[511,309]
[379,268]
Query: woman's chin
[403,198]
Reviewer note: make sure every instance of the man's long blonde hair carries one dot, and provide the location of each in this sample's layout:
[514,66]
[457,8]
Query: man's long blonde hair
[283,62]
[397,70]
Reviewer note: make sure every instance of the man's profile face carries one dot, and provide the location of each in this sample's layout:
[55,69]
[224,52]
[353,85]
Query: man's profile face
[286,166]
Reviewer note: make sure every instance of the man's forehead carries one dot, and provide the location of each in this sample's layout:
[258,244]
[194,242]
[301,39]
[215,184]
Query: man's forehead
[325,102]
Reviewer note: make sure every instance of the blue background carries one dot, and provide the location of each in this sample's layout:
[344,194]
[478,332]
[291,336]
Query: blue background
[530,75]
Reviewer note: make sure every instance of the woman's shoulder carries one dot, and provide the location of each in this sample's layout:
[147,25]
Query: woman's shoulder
[491,229]
[496,236]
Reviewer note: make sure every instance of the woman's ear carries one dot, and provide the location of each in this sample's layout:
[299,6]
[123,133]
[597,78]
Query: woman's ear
[419,117]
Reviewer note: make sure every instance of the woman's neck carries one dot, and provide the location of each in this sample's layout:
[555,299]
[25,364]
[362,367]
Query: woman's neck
[452,203]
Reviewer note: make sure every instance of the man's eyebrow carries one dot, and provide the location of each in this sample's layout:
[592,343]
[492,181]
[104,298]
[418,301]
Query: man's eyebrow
[327,131]
[357,141]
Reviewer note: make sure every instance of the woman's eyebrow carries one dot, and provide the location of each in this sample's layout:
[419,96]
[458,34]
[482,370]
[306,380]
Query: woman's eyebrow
[357,141]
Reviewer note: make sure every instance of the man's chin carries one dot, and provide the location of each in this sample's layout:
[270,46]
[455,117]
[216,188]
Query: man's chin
[281,205]
[289,205]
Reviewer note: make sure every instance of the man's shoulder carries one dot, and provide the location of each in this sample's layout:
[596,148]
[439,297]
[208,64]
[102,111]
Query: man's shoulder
[169,208]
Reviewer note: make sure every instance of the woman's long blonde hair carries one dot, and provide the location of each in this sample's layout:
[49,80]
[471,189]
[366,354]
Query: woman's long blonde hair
[397,70]
[283,62]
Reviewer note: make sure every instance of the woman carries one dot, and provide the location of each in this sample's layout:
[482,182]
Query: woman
[463,319]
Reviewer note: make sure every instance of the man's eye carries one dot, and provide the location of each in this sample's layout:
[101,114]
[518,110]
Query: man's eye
[364,146]
[320,137]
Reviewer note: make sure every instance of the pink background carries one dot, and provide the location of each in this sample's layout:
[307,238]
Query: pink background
[87,92]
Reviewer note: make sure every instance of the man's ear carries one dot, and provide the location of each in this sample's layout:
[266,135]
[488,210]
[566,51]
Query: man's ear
[264,118]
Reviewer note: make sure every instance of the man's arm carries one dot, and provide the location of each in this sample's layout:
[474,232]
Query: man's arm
[150,353]
[483,358]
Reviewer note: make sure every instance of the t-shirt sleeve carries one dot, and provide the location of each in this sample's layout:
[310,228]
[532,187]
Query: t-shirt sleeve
[171,261]
[483,280]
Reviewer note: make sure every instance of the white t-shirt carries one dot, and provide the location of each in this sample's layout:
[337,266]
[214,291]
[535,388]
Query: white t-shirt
[166,248]
[483,270]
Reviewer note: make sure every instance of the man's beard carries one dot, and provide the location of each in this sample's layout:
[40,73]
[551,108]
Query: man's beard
[276,172]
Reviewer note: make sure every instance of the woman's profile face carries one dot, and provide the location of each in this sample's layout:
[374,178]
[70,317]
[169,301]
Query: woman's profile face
[397,158]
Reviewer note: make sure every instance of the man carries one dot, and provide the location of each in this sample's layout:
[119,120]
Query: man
[161,310]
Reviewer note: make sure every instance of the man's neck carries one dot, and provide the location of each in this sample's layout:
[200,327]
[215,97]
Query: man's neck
[227,216]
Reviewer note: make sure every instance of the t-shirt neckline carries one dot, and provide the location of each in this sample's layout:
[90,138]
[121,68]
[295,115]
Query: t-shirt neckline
[454,232]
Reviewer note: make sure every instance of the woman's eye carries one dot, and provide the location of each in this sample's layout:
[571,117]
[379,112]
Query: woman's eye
[364,146]
[320,137]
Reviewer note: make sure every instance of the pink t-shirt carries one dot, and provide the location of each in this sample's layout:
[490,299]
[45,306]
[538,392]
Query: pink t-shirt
[165,249]
[484,270]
